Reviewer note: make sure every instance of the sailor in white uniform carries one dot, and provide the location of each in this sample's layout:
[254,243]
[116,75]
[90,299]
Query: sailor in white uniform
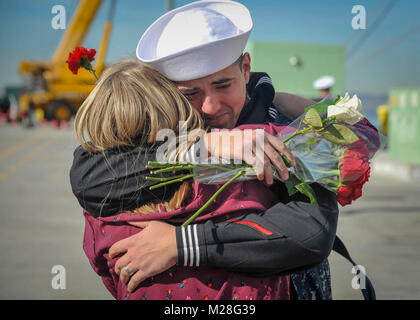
[324,85]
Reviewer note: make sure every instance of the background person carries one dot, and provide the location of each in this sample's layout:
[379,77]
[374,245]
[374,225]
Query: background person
[324,84]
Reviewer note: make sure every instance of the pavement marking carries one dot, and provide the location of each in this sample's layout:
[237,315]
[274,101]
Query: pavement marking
[29,156]
[27,142]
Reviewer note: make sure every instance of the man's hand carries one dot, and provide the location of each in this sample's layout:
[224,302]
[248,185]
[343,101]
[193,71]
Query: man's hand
[147,253]
[247,146]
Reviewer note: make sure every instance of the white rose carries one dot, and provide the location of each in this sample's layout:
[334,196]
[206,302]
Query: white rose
[347,110]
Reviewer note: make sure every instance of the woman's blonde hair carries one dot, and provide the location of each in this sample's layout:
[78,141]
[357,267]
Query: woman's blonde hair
[128,106]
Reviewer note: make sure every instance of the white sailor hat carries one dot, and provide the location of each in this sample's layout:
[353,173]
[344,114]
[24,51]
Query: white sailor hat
[324,82]
[196,40]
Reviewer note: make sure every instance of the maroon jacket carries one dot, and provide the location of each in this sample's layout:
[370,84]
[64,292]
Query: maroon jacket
[184,282]
[181,282]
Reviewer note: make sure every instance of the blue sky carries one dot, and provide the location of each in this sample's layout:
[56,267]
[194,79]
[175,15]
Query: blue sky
[26,33]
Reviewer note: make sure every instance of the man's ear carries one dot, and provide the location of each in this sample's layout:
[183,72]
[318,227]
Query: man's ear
[246,66]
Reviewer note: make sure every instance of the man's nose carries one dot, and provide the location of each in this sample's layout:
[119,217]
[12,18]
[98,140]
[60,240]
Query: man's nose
[211,105]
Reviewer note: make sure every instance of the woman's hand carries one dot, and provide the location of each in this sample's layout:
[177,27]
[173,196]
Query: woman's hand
[147,253]
[254,146]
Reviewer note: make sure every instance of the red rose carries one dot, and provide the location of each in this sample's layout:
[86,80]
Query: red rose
[81,57]
[346,194]
[360,147]
[354,168]
[354,172]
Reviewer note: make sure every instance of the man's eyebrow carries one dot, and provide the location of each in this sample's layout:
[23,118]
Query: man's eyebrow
[188,89]
[223,80]
[220,81]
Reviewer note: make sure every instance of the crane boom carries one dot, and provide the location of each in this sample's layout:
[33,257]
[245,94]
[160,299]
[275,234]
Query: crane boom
[77,29]
[54,88]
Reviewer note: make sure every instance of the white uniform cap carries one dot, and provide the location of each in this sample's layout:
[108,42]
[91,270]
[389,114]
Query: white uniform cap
[196,40]
[324,82]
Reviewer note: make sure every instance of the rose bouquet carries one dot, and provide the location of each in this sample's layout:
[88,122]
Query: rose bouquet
[332,145]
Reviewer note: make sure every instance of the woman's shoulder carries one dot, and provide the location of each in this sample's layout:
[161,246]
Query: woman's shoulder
[120,157]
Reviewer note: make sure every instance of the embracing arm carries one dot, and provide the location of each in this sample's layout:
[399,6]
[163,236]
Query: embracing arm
[284,239]
[290,105]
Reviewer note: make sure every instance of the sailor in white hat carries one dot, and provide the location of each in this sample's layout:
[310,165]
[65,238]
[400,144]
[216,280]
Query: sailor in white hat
[196,40]
[324,85]
[197,46]
[200,47]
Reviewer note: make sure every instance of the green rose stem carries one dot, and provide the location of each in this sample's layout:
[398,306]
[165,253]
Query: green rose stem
[164,179]
[173,168]
[210,166]
[294,134]
[165,165]
[308,129]
[182,178]
[332,182]
[155,164]
[332,172]
[333,118]
[85,63]
[236,176]
[94,74]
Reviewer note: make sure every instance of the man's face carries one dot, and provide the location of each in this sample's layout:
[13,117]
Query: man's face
[324,92]
[220,96]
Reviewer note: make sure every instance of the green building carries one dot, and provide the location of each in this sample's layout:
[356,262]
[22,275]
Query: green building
[404,124]
[294,67]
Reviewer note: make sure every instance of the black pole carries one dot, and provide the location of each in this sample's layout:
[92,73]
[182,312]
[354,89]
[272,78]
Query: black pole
[169,5]
[111,10]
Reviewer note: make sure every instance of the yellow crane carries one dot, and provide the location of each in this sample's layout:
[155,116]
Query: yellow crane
[54,88]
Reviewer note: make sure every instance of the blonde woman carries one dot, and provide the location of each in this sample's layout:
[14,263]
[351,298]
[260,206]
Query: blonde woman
[117,127]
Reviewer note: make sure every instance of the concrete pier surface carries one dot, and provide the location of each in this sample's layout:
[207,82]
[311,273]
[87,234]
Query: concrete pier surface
[42,226]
